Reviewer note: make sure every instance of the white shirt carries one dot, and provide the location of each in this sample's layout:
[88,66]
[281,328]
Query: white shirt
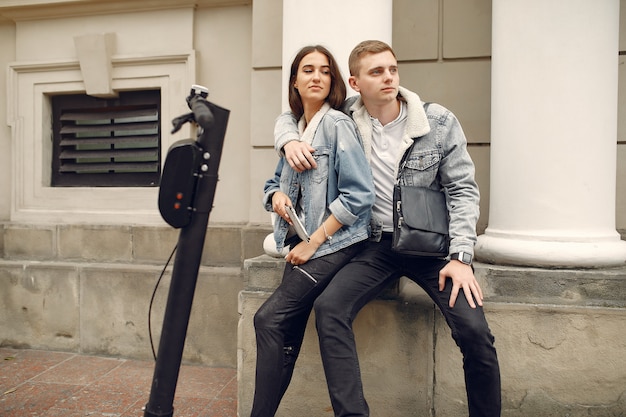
[386,144]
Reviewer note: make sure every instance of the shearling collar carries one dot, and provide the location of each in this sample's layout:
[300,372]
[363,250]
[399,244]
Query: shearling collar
[417,122]
[307,132]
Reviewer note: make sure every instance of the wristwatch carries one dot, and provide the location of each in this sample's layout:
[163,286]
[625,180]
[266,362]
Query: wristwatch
[464,257]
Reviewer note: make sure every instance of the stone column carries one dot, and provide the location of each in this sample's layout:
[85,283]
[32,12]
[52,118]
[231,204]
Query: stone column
[337,25]
[554,130]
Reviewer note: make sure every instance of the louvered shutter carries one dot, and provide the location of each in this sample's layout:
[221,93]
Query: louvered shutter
[107,142]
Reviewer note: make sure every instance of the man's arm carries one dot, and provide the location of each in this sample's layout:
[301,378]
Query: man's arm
[456,172]
[287,143]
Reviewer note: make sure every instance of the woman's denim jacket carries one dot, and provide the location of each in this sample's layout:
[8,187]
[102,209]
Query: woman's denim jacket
[439,160]
[341,184]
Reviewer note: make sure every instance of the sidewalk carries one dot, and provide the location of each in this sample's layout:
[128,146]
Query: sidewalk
[60,384]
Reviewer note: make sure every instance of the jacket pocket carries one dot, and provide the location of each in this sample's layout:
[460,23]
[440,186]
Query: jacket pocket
[421,168]
[322,158]
[423,160]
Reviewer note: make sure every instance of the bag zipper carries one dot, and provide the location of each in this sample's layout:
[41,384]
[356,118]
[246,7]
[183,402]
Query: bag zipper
[399,211]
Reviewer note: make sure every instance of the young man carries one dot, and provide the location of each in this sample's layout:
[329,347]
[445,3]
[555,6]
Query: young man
[390,118]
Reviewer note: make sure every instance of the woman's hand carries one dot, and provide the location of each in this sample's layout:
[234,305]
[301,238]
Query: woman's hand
[301,253]
[279,201]
[303,250]
[299,155]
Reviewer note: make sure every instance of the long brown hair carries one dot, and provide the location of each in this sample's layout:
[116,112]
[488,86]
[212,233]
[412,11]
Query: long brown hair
[337,93]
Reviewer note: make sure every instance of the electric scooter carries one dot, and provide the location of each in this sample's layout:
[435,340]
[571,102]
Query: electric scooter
[186,193]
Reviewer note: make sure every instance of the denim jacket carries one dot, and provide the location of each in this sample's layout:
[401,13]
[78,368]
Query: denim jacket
[439,161]
[341,184]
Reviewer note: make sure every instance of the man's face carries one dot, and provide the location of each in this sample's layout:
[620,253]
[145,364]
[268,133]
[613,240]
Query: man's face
[378,78]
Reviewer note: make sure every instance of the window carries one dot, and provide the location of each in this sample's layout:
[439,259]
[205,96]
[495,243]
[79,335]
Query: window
[32,88]
[101,142]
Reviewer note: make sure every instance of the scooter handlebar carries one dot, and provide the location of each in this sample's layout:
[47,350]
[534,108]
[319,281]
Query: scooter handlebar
[200,107]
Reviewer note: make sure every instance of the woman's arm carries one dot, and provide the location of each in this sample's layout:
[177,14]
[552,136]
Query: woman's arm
[304,250]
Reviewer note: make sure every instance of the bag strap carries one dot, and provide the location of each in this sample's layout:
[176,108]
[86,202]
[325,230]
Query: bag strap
[408,151]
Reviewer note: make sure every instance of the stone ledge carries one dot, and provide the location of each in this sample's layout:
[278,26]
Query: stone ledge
[582,287]
[225,245]
[558,336]
[589,287]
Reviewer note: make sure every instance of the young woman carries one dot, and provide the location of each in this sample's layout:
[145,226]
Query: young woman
[333,201]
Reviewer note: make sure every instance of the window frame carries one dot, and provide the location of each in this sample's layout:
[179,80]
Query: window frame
[30,86]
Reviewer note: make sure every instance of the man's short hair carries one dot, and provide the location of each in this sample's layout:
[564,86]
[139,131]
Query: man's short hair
[365,48]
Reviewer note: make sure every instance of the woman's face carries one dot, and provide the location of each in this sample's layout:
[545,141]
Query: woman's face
[313,79]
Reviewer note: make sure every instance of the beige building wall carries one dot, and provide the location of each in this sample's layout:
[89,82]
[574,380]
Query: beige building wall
[164,44]
[443,49]
[265,99]
[621,126]
[7,48]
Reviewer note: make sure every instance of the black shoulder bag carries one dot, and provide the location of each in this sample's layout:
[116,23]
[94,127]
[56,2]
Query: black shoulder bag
[420,218]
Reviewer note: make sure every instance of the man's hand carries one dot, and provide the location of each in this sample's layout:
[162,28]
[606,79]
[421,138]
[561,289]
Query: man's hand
[462,277]
[299,155]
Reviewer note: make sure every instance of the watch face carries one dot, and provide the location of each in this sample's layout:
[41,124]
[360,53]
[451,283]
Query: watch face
[464,257]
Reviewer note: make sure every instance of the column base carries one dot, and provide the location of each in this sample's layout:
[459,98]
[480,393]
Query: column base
[552,254]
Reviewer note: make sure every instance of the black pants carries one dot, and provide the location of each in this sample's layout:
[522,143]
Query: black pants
[358,283]
[280,324]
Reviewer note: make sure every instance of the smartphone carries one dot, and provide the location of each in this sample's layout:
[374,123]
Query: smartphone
[297,224]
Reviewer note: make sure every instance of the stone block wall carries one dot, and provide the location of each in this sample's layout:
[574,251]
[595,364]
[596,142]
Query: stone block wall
[224,245]
[559,335]
[88,289]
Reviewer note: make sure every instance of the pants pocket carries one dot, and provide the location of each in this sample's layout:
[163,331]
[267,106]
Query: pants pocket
[306,274]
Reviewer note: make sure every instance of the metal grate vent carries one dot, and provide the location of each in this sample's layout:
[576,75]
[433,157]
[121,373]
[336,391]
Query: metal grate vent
[107,142]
